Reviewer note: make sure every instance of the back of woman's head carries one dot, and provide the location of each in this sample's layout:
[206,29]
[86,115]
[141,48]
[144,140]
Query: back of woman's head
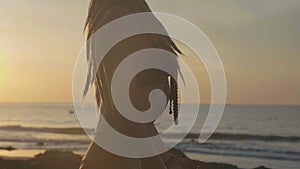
[97,8]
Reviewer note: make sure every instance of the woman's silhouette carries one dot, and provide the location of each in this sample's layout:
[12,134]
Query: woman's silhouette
[100,13]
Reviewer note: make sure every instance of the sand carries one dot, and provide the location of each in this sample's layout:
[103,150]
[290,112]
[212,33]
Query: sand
[55,159]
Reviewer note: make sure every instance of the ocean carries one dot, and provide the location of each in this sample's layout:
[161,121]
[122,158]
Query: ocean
[248,135]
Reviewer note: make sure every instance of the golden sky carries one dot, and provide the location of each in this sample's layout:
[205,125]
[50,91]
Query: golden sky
[258,42]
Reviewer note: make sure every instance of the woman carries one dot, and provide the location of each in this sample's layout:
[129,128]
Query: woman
[100,13]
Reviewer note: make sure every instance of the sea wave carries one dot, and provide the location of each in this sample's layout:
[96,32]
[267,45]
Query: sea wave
[225,149]
[215,136]
[241,137]
[222,144]
[70,130]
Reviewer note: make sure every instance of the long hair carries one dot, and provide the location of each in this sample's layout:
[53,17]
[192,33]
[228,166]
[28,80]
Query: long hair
[97,9]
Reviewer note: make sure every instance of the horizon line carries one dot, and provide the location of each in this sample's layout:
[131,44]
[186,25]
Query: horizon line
[227,104]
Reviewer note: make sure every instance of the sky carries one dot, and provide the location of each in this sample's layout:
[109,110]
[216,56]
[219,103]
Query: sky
[258,42]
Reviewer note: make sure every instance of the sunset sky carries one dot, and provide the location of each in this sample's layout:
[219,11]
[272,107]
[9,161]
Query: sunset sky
[258,42]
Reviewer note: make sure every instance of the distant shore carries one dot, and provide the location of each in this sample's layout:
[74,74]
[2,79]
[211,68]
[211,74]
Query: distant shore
[68,160]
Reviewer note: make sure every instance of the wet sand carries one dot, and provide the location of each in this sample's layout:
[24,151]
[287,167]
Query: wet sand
[27,159]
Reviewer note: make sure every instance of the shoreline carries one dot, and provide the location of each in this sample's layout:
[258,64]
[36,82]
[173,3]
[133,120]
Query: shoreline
[58,159]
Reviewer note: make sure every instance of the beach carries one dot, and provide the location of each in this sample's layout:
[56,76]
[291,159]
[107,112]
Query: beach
[69,160]
[227,71]
[248,136]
